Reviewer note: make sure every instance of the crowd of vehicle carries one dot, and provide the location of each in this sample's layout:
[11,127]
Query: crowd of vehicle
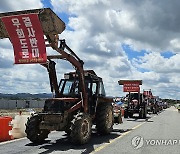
[79,99]
[139,103]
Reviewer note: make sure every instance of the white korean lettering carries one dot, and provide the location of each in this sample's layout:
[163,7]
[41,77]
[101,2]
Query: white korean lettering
[27,21]
[31,32]
[15,22]
[33,42]
[23,43]
[20,33]
[25,53]
[35,52]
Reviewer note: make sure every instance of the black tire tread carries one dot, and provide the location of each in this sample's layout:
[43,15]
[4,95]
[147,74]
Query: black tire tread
[33,132]
[101,118]
[75,132]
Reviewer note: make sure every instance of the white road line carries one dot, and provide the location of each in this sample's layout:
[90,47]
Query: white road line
[19,139]
[11,141]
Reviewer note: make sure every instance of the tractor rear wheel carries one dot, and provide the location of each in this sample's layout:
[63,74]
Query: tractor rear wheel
[118,120]
[143,113]
[81,128]
[34,134]
[68,131]
[130,114]
[104,118]
[125,114]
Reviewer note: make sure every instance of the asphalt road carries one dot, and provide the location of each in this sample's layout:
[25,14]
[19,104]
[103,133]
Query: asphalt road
[157,134]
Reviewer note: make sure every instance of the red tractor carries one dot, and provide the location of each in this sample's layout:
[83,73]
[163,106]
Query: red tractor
[79,100]
[152,105]
[135,100]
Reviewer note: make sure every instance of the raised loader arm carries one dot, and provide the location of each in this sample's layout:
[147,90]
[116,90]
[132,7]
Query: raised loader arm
[71,57]
[51,26]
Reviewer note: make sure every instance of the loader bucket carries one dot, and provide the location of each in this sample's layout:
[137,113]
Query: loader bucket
[50,22]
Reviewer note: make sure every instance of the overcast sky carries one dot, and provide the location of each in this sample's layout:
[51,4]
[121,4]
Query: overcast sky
[119,39]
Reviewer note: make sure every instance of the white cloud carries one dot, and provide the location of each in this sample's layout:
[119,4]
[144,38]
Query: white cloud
[175,43]
[100,27]
[164,73]
[103,26]
[9,5]
[19,78]
[157,63]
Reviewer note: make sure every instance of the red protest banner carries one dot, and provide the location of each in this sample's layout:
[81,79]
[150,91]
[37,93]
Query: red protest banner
[27,37]
[131,86]
[131,89]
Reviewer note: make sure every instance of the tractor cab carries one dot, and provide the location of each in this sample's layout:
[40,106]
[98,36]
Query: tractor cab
[69,86]
[70,92]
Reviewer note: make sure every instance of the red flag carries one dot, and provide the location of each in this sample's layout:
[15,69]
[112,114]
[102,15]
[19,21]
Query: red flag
[27,37]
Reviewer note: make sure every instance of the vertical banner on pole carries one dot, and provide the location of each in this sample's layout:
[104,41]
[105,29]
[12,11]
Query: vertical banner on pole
[27,37]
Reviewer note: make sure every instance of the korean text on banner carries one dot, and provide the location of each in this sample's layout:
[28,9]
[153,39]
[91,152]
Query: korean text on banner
[131,87]
[27,37]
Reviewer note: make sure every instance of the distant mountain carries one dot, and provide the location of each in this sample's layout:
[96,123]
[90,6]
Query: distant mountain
[25,96]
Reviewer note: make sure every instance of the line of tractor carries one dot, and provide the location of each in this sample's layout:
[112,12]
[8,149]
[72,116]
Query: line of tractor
[79,99]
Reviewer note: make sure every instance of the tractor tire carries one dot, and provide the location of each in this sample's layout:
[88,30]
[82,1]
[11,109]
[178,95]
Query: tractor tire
[68,131]
[34,134]
[130,114]
[125,114]
[155,111]
[81,128]
[104,118]
[143,113]
[118,120]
